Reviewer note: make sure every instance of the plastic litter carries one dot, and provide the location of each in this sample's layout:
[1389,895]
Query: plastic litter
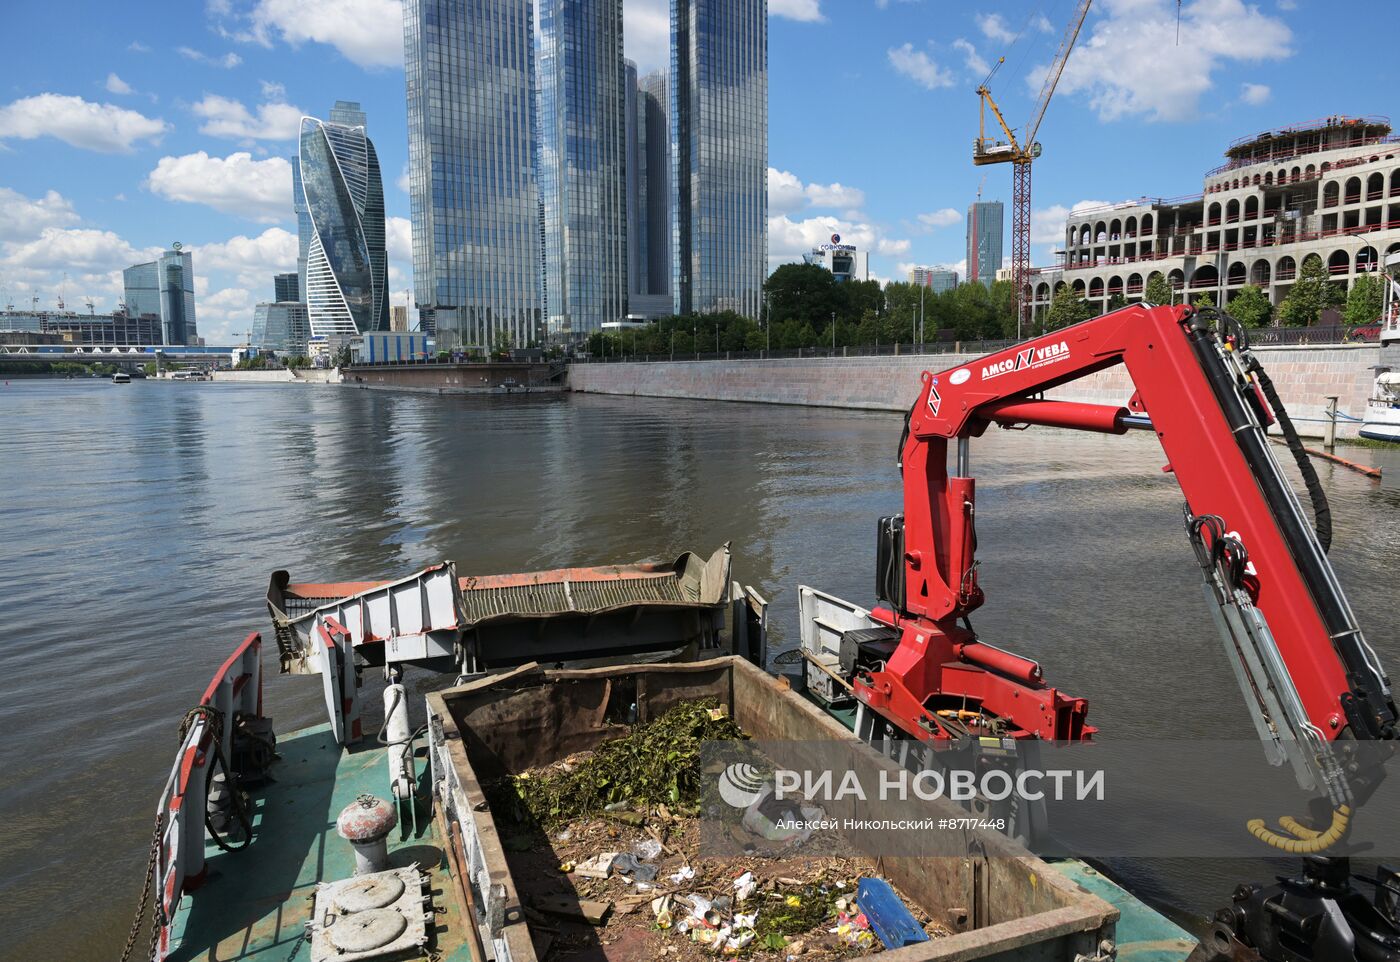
[744,886]
[684,875]
[647,849]
[628,864]
[661,908]
[888,917]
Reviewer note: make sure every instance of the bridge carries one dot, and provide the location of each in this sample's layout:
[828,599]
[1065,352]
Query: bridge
[116,353]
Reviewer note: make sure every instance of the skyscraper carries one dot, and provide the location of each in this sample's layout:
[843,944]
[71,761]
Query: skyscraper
[583,178]
[347,289]
[472,170]
[164,288]
[303,227]
[648,197]
[984,222]
[719,154]
[286,288]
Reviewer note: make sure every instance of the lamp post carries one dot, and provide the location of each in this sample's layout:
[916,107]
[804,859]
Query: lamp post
[833,333]
[921,317]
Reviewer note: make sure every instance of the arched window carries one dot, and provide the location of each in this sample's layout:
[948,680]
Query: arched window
[1366,259]
[1115,229]
[1353,191]
[1269,178]
[1134,284]
[1205,276]
[1326,166]
[1042,291]
[1130,227]
[1176,279]
[1283,175]
[1096,287]
[1296,174]
[1236,273]
[1375,186]
[1259,273]
[1287,269]
[1251,208]
[1100,232]
[1115,285]
[1232,211]
[1331,191]
[1256,180]
[1147,222]
[1084,235]
[1310,172]
[1395,182]
[1338,263]
[1213,213]
[1078,287]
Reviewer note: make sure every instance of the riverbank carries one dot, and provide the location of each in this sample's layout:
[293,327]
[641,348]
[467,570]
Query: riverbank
[1305,376]
[280,376]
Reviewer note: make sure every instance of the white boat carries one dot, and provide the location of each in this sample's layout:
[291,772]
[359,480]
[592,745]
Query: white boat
[1382,419]
[121,377]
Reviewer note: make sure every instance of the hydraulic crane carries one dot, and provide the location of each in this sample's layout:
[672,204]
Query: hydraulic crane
[1314,687]
[1020,154]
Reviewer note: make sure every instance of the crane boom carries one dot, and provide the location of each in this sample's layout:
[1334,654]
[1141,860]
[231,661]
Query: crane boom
[1057,67]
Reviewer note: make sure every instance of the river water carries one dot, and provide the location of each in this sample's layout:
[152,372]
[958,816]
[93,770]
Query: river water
[141,522]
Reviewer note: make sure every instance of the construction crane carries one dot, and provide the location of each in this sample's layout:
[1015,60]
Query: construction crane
[1020,154]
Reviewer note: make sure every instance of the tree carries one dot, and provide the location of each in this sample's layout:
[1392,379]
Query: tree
[804,293]
[1066,308]
[1364,301]
[1116,302]
[1158,292]
[1251,307]
[1203,299]
[1312,293]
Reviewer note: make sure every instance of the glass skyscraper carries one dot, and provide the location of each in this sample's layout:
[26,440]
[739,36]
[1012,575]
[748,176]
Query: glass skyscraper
[583,171]
[303,226]
[472,170]
[719,154]
[648,196]
[984,223]
[164,288]
[347,289]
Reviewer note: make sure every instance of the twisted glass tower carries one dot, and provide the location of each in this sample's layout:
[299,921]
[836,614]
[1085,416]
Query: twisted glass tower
[346,266]
[473,190]
[719,154]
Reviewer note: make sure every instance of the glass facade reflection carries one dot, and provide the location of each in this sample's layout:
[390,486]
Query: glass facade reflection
[473,185]
[583,178]
[654,189]
[984,223]
[303,226]
[164,288]
[719,154]
[282,328]
[346,267]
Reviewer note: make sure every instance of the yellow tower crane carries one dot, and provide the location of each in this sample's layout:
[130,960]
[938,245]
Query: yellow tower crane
[1020,154]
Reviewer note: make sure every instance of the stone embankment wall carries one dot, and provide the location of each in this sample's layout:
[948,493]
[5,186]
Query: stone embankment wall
[1304,377]
[281,376]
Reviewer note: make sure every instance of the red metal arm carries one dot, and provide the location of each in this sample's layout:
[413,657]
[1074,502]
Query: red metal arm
[1203,404]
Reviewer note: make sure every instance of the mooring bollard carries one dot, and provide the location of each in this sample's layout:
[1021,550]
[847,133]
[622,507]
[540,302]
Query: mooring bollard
[1329,441]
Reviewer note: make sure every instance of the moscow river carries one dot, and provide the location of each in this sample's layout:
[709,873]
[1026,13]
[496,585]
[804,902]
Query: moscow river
[141,523]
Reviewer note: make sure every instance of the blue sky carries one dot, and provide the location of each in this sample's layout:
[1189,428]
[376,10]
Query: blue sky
[124,127]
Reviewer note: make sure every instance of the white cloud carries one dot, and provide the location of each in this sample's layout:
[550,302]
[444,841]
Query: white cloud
[1255,93]
[919,67]
[807,11]
[105,128]
[116,85]
[788,194]
[1048,226]
[366,32]
[398,238]
[647,33]
[72,249]
[1043,24]
[227,62]
[226,316]
[227,118]
[1119,65]
[993,27]
[271,90]
[402,182]
[940,218]
[23,218]
[137,46]
[974,61]
[253,260]
[789,239]
[259,190]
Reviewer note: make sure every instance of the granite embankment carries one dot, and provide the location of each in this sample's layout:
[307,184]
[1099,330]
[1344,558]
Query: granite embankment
[1304,376]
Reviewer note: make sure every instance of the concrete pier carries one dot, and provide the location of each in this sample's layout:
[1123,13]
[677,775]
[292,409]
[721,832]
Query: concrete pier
[1305,377]
[467,378]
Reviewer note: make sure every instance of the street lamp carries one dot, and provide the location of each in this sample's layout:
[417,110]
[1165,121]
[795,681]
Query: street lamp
[921,317]
[833,333]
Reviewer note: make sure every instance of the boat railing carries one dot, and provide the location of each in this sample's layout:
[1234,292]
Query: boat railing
[235,689]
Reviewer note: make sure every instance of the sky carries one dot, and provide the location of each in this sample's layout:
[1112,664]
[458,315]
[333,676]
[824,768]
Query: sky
[127,126]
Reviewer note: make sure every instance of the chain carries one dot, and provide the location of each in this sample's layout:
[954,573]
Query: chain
[296,946]
[151,862]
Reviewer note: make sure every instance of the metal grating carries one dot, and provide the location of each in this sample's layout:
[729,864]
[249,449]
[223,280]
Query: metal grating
[555,597]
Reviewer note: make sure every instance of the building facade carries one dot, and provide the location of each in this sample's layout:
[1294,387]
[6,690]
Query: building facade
[398,317]
[719,154]
[583,84]
[936,279]
[477,230]
[303,226]
[347,289]
[654,157]
[984,239]
[164,288]
[287,287]
[282,327]
[844,261]
[117,328]
[1328,189]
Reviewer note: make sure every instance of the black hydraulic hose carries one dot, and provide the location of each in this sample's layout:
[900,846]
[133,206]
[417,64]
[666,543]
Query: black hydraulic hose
[1322,511]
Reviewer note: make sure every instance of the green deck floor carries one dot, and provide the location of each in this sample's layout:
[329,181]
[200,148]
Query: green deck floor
[1143,933]
[255,902]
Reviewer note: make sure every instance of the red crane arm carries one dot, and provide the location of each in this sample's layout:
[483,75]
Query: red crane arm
[1295,646]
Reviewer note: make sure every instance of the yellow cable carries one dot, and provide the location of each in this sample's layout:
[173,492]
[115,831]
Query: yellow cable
[1311,841]
[1289,824]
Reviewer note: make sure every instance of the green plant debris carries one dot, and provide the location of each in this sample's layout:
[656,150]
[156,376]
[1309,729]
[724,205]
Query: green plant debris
[653,764]
[800,911]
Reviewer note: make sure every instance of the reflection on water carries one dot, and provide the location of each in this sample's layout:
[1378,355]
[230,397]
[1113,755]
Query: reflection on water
[141,524]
